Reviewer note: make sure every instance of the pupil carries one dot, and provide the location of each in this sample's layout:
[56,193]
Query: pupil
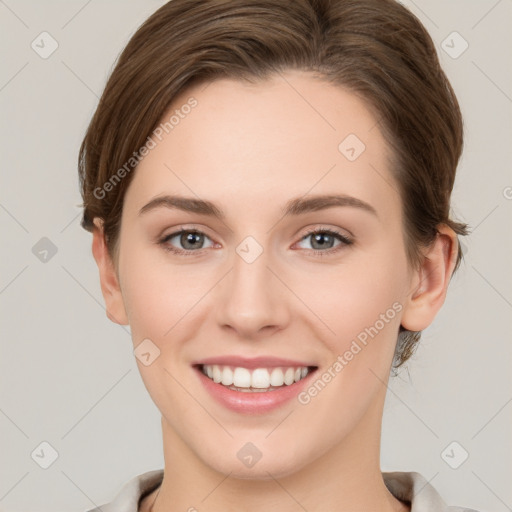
[189,239]
[320,239]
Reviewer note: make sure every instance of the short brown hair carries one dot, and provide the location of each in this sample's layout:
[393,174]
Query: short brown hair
[376,48]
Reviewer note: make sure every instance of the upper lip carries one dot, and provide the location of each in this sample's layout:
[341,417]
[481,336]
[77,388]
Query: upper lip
[252,362]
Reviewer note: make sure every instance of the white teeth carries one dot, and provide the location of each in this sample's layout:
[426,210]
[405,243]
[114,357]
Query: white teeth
[257,379]
[217,374]
[277,377]
[227,376]
[289,376]
[260,378]
[242,378]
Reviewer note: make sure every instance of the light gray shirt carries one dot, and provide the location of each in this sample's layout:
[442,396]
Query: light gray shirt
[410,487]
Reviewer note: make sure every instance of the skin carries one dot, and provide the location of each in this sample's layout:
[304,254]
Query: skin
[250,149]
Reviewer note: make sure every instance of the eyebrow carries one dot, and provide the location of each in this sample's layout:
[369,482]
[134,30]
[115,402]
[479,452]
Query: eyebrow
[297,206]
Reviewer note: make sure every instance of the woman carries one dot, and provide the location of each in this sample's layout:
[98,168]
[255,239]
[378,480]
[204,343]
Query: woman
[268,187]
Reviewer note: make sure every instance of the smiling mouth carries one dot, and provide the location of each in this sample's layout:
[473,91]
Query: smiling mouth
[255,380]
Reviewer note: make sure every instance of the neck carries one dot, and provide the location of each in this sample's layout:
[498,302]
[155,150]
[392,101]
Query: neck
[346,478]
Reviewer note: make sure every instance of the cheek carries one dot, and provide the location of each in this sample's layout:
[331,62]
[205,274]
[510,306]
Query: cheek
[362,305]
[159,295]
[365,293]
[148,294]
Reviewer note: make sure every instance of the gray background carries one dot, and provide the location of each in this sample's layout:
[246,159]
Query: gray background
[68,375]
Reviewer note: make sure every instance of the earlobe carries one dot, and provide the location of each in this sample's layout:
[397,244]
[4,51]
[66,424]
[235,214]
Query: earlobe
[114,304]
[431,280]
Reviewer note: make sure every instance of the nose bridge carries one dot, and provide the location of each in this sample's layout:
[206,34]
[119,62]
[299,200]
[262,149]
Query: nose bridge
[251,300]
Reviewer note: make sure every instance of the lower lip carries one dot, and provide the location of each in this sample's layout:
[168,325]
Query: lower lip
[252,402]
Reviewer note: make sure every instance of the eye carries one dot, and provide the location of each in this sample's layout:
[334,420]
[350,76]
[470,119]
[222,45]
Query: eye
[324,241]
[190,240]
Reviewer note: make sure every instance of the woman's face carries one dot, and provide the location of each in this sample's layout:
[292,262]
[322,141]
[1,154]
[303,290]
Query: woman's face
[257,297]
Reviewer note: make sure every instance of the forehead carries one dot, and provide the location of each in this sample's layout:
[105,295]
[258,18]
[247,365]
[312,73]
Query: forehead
[252,146]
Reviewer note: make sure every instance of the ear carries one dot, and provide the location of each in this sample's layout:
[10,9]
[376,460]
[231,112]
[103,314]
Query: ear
[108,278]
[430,282]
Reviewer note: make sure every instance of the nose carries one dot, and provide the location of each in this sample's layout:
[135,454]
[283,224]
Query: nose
[252,301]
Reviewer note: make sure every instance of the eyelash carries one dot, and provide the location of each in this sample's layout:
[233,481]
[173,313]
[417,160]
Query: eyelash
[345,241]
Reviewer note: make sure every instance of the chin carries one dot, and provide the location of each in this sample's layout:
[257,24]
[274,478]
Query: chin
[250,463]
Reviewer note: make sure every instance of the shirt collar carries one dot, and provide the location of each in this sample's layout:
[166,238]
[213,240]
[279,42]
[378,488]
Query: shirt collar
[413,488]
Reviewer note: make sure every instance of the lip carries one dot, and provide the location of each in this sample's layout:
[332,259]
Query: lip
[252,402]
[251,363]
